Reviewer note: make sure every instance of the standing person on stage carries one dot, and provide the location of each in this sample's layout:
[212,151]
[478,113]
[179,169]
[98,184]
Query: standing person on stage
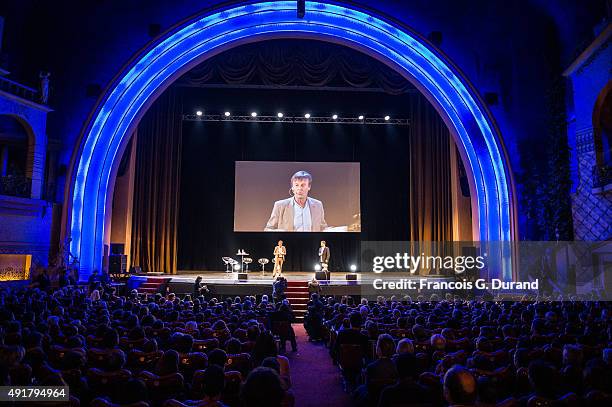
[280,252]
[324,257]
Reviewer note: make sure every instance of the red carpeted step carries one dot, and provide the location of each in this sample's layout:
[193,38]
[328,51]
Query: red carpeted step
[298,300]
[297,284]
[153,284]
[296,290]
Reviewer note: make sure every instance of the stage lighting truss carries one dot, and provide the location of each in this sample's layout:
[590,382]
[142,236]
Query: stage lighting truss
[294,119]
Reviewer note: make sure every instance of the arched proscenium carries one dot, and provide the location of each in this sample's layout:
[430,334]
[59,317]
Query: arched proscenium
[204,36]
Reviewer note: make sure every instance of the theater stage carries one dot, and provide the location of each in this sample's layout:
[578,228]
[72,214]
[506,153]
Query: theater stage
[223,284]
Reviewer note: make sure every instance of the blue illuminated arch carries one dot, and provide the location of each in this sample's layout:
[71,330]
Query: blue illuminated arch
[205,36]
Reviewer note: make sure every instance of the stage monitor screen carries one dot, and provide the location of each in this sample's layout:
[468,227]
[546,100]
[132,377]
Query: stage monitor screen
[275,196]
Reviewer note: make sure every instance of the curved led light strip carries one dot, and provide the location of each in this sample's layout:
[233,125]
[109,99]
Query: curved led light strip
[243,23]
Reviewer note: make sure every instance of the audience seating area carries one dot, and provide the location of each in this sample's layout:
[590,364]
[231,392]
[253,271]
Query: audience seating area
[455,352]
[150,350]
[143,350]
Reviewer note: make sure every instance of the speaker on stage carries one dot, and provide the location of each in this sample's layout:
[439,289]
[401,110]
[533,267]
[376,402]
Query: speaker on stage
[321,275]
[117,248]
[117,264]
[243,276]
[351,276]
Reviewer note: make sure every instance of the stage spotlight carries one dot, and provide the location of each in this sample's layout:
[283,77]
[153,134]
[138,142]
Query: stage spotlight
[227,114]
[199,113]
[317,267]
[237,267]
[307,115]
[280,115]
[335,117]
[360,117]
[253,114]
[353,267]
[387,118]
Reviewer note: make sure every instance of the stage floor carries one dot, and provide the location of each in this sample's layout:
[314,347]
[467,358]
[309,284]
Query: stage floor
[256,277]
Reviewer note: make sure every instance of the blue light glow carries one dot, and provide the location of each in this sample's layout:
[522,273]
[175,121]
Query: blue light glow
[246,23]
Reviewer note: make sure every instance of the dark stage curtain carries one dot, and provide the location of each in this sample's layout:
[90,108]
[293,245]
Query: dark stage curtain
[296,63]
[429,203]
[156,185]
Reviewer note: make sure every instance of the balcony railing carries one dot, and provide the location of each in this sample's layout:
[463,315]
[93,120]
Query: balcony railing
[18,89]
[16,185]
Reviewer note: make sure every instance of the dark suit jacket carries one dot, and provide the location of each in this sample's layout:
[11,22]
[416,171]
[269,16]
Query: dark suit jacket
[324,257]
[281,218]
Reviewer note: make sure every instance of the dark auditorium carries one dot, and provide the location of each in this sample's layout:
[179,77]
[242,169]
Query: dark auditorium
[306,203]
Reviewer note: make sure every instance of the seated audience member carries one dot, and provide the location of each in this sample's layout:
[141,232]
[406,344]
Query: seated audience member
[379,373]
[133,390]
[273,364]
[406,390]
[265,346]
[168,363]
[597,377]
[543,379]
[351,336]
[487,391]
[313,320]
[217,357]
[460,387]
[214,382]
[405,346]
[262,388]
[278,289]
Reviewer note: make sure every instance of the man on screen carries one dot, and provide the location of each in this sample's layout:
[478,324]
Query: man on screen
[299,213]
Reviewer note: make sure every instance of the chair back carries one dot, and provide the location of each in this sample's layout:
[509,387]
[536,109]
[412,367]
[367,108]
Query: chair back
[163,387]
[205,345]
[240,362]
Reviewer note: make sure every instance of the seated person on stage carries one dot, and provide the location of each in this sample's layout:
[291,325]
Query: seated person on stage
[298,213]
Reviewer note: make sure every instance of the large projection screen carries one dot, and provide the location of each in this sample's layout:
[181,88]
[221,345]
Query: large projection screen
[267,200]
